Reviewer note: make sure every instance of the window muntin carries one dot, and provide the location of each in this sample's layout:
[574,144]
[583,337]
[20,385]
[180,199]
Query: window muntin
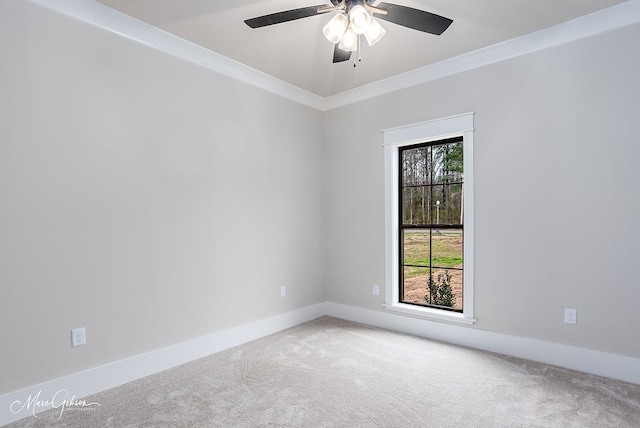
[431,217]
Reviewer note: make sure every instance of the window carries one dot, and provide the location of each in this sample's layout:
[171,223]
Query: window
[429,219]
[431,224]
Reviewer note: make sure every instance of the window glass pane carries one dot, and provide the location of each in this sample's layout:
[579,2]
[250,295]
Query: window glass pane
[416,166]
[446,206]
[416,247]
[447,163]
[414,288]
[446,248]
[415,205]
[445,289]
[441,289]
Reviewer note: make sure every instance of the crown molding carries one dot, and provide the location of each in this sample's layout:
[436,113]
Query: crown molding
[99,15]
[602,21]
[102,16]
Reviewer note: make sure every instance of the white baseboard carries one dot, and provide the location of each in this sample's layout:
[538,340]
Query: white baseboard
[585,360]
[15,405]
[111,375]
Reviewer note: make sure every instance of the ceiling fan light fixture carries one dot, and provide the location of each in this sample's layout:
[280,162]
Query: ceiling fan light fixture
[335,28]
[375,32]
[359,19]
[349,40]
[355,18]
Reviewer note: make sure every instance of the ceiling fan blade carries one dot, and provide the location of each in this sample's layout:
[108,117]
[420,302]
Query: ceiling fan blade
[414,18]
[340,55]
[287,15]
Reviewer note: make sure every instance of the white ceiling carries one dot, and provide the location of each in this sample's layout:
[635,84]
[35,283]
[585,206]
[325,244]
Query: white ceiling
[297,52]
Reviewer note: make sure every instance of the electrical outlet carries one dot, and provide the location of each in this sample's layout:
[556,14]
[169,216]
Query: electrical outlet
[376,289]
[283,291]
[78,337]
[570,316]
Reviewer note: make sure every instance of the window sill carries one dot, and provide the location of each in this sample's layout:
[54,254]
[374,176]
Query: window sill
[429,313]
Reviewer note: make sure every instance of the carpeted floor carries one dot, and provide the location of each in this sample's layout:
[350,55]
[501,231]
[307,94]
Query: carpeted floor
[334,373]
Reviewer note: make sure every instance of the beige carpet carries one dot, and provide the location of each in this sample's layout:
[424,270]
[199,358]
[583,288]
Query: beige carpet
[334,373]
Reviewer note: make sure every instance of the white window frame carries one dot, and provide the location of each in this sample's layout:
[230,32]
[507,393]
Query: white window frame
[394,139]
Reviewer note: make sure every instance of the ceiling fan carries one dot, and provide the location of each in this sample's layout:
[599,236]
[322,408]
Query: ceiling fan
[355,18]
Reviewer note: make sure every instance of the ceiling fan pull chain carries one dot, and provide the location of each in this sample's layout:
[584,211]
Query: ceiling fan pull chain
[354,57]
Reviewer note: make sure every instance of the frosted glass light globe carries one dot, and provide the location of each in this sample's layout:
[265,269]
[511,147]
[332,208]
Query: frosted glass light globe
[349,40]
[334,29]
[359,19]
[375,33]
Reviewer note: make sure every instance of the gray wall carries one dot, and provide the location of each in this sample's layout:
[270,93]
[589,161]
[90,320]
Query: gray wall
[152,201]
[556,176]
[144,198]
